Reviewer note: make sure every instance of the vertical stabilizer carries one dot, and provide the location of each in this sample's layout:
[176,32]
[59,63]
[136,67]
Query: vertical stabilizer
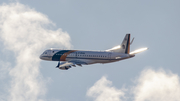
[125,45]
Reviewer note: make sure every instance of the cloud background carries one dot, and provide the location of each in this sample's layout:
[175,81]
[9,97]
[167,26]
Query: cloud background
[157,85]
[92,25]
[26,32]
[102,91]
[151,85]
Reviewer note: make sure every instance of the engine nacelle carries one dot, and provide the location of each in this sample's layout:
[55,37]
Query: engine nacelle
[65,68]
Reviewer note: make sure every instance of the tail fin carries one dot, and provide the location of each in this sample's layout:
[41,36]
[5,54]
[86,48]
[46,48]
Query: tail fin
[124,47]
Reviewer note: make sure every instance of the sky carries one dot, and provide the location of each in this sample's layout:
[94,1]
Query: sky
[28,27]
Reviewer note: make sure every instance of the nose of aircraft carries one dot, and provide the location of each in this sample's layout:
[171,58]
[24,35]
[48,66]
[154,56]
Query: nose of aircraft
[45,57]
[40,56]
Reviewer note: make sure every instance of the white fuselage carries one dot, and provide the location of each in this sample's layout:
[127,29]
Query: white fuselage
[88,57]
[71,58]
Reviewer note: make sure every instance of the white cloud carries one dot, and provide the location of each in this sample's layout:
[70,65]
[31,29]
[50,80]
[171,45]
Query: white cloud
[157,86]
[102,90]
[26,33]
[151,85]
[4,68]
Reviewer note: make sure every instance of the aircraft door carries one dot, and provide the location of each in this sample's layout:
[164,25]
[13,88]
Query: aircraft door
[109,56]
[76,54]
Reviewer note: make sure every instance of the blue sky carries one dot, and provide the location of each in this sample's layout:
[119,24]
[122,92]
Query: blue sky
[93,25]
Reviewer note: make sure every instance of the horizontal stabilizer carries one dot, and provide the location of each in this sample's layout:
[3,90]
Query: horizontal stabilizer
[132,41]
[138,51]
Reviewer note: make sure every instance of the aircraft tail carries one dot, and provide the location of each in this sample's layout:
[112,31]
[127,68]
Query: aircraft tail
[124,47]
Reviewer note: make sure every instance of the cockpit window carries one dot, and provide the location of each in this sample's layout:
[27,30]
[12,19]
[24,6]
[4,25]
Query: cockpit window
[45,52]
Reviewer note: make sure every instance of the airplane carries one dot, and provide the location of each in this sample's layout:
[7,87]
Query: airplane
[70,58]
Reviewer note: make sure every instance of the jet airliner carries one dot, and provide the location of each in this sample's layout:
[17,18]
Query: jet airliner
[70,58]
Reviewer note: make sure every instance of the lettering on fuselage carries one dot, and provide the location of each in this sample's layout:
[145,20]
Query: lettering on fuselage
[61,55]
[81,52]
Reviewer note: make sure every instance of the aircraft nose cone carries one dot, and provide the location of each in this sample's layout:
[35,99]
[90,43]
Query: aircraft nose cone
[40,56]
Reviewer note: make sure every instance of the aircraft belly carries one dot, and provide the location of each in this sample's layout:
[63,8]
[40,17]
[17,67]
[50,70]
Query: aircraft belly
[92,61]
[100,60]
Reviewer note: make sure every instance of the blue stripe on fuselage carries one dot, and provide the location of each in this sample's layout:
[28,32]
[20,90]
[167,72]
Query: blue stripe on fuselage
[57,56]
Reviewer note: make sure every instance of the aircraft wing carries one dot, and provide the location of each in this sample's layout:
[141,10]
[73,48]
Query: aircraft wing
[69,64]
[138,51]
